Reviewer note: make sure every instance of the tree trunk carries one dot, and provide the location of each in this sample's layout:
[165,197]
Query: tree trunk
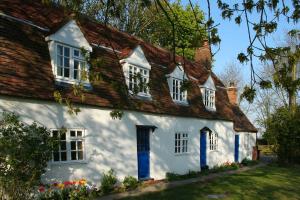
[292,92]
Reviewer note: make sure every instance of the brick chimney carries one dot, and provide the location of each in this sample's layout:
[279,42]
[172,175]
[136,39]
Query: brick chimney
[203,54]
[232,93]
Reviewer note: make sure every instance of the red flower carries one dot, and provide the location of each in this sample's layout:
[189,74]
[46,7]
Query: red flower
[41,189]
[66,183]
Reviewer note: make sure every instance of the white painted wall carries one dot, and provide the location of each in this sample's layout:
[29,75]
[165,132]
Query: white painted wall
[247,142]
[112,143]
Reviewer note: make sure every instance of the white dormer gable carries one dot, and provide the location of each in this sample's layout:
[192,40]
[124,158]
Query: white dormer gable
[209,83]
[175,81]
[178,72]
[208,90]
[136,69]
[68,61]
[137,58]
[70,34]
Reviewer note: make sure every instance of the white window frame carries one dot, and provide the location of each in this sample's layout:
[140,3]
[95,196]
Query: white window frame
[72,60]
[213,141]
[181,143]
[175,90]
[209,98]
[68,150]
[145,76]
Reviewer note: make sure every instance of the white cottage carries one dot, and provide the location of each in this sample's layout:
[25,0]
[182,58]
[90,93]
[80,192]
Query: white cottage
[164,129]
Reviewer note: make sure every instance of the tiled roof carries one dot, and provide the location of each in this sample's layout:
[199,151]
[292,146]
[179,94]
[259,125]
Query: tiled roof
[26,71]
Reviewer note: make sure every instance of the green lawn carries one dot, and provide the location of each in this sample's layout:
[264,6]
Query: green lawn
[269,182]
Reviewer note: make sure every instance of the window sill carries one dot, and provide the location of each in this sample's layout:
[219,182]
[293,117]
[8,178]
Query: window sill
[182,154]
[141,96]
[70,162]
[70,81]
[66,82]
[181,103]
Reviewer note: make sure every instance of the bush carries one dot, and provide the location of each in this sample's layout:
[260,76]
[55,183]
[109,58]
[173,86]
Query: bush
[248,162]
[108,181]
[25,152]
[130,183]
[283,130]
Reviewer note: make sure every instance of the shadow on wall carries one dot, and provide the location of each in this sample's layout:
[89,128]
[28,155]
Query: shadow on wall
[112,143]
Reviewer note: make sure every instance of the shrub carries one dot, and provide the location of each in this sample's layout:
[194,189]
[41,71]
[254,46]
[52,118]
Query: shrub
[25,152]
[248,162]
[130,183]
[108,181]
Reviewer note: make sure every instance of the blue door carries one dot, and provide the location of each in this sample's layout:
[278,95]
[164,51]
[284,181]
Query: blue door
[143,153]
[236,148]
[203,149]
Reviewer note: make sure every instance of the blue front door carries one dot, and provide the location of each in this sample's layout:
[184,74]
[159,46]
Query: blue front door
[203,149]
[143,153]
[236,148]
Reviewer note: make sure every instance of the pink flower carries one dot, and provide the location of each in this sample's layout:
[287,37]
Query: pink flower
[41,189]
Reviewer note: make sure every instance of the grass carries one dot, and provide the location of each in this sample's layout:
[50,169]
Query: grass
[269,182]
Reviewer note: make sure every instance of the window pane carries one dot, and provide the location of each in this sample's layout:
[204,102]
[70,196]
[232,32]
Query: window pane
[55,134]
[63,145]
[73,133]
[73,155]
[66,72]
[66,52]
[55,156]
[66,62]
[79,145]
[79,133]
[73,145]
[59,60]
[76,53]
[59,71]
[80,155]
[63,136]
[63,156]
[59,50]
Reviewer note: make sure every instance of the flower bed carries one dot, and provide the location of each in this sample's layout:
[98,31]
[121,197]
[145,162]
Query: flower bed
[68,190]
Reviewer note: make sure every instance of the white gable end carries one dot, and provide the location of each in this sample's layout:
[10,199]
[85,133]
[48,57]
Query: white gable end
[210,83]
[178,73]
[137,58]
[70,34]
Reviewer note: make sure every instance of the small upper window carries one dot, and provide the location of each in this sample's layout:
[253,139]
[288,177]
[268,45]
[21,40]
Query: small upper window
[209,98]
[138,80]
[70,64]
[175,81]
[213,141]
[177,93]
[247,141]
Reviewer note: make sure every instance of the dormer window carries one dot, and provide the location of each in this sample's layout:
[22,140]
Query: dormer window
[177,93]
[175,81]
[136,70]
[138,80]
[209,99]
[68,62]
[208,91]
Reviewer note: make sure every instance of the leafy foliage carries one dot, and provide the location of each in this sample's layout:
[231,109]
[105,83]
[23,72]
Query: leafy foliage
[248,94]
[283,131]
[25,151]
[130,183]
[108,181]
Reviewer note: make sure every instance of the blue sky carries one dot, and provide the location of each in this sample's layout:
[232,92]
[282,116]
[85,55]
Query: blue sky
[235,38]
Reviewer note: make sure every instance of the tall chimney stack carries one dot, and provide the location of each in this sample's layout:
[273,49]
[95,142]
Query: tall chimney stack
[203,54]
[232,93]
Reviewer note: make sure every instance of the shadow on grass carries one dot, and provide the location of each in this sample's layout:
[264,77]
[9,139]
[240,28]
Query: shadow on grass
[270,182]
